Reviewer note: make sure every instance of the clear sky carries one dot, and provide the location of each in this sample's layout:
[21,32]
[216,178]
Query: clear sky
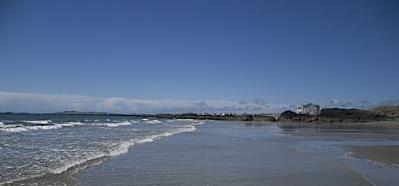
[170,53]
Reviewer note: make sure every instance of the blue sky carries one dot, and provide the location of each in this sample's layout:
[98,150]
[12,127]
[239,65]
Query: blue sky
[179,55]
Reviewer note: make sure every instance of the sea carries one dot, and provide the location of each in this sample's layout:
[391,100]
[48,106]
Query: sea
[62,149]
[36,145]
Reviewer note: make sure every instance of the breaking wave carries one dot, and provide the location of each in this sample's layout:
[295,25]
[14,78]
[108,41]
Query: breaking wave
[124,123]
[118,148]
[42,122]
[87,140]
[12,128]
[39,126]
[49,125]
[152,122]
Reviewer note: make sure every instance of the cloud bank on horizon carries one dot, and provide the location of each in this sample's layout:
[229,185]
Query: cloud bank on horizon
[41,103]
[34,102]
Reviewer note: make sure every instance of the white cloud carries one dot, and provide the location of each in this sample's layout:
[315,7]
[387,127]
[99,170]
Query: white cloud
[33,102]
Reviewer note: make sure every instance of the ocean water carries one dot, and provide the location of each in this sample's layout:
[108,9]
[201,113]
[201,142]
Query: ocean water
[36,145]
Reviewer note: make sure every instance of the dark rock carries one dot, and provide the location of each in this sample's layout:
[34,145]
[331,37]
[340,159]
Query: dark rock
[349,115]
[333,115]
[290,116]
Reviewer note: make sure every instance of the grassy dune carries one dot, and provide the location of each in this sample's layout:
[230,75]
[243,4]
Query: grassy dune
[390,111]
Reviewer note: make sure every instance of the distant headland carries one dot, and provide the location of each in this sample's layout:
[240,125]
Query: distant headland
[308,113]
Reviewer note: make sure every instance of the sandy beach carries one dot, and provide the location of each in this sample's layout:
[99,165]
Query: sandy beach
[239,153]
[199,92]
[377,125]
[221,153]
[388,155]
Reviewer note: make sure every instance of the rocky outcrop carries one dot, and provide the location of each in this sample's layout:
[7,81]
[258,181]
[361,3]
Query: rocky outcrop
[331,115]
[228,117]
[349,115]
[289,116]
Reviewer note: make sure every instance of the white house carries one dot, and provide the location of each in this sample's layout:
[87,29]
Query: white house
[310,109]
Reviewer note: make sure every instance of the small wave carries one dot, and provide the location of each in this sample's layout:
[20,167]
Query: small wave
[197,122]
[192,121]
[153,122]
[22,128]
[71,124]
[145,119]
[42,122]
[118,148]
[44,127]
[123,147]
[185,119]
[75,163]
[106,149]
[166,134]
[55,126]
[114,124]
[13,129]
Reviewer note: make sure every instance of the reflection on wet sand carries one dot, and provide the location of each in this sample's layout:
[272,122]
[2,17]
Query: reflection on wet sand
[388,155]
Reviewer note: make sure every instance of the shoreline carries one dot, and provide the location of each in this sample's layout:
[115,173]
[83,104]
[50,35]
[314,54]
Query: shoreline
[373,125]
[66,174]
[386,155]
[233,148]
[220,153]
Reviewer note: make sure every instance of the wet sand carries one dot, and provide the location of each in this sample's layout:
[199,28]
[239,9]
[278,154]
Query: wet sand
[379,125]
[388,155]
[221,153]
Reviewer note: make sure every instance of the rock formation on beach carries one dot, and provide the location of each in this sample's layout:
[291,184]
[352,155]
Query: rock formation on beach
[330,115]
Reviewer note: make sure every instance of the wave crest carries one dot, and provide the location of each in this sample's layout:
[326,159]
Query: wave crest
[118,148]
[42,122]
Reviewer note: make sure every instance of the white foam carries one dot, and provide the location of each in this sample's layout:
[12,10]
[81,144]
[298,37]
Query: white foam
[21,128]
[123,147]
[145,119]
[113,149]
[118,148]
[14,129]
[43,127]
[43,122]
[70,164]
[55,126]
[185,119]
[114,124]
[153,122]
[71,124]
[8,126]
[192,121]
